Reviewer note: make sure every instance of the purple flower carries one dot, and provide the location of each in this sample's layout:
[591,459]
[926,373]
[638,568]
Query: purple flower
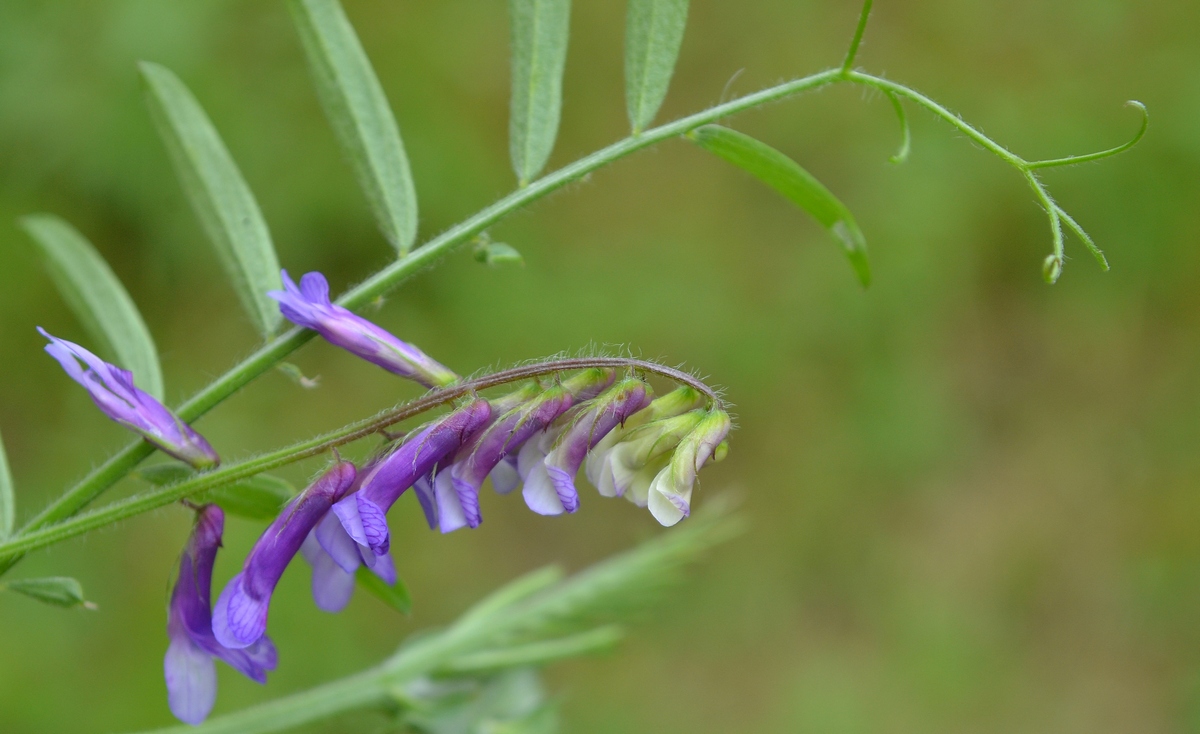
[114,393]
[335,557]
[240,618]
[188,666]
[364,513]
[476,461]
[309,306]
[670,495]
[550,484]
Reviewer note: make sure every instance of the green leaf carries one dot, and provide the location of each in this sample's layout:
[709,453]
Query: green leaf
[260,497]
[363,122]
[61,591]
[394,595]
[97,298]
[218,193]
[539,54]
[496,254]
[513,592]
[511,703]
[8,497]
[653,35]
[787,177]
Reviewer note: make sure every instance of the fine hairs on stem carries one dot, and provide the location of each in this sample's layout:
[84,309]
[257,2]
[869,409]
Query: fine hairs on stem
[53,521]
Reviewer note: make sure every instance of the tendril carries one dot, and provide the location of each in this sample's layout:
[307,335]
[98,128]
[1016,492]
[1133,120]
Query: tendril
[1072,160]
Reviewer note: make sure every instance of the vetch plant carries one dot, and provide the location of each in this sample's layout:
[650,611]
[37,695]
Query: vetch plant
[532,427]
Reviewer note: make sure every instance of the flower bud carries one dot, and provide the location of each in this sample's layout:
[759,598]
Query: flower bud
[671,491]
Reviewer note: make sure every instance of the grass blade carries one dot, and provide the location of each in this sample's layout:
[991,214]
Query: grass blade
[218,193]
[796,184]
[653,35]
[97,298]
[8,497]
[539,55]
[363,122]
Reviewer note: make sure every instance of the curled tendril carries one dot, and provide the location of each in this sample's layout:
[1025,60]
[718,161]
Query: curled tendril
[1087,157]
[905,132]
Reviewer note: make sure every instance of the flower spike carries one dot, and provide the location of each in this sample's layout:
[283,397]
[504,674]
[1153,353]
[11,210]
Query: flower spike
[113,392]
[188,666]
[240,617]
[309,306]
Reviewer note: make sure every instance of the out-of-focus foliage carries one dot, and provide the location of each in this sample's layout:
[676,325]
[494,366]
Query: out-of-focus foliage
[975,498]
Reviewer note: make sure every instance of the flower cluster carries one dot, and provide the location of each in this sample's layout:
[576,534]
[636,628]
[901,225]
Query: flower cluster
[539,437]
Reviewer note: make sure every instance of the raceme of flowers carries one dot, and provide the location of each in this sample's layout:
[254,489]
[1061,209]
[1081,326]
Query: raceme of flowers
[537,437]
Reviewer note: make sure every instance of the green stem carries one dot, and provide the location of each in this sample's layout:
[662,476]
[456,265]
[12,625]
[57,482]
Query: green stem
[162,496]
[852,52]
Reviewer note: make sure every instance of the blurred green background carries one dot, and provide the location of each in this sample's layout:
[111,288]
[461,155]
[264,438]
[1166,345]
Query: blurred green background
[975,499]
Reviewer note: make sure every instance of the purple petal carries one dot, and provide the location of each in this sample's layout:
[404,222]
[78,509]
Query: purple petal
[564,487]
[191,680]
[385,569]
[314,287]
[450,511]
[539,492]
[334,540]
[504,475]
[423,488]
[346,511]
[374,524]
[332,587]
[239,619]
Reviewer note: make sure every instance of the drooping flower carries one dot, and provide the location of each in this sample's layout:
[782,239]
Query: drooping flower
[364,513]
[335,557]
[631,466]
[456,488]
[309,306]
[114,393]
[598,467]
[240,617]
[550,485]
[188,666]
[670,494]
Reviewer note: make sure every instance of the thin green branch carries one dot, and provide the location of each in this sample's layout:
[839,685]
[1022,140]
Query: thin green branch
[163,496]
[852,52]
[387,279]
[1072,160]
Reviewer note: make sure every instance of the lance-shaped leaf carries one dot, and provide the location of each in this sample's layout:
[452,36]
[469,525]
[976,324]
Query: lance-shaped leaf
[356,106]
[8,497]
[394,595]
[97,298]
[218,193]
[653,35]
[539,55]
[260,497]
[61,591]
[787,177]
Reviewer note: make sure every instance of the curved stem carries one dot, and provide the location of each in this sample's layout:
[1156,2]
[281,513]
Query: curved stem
[274,351]
[163,496]
[1074,159]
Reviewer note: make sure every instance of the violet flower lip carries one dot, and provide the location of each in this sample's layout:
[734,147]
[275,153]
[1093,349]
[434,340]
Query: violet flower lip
[113,392]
